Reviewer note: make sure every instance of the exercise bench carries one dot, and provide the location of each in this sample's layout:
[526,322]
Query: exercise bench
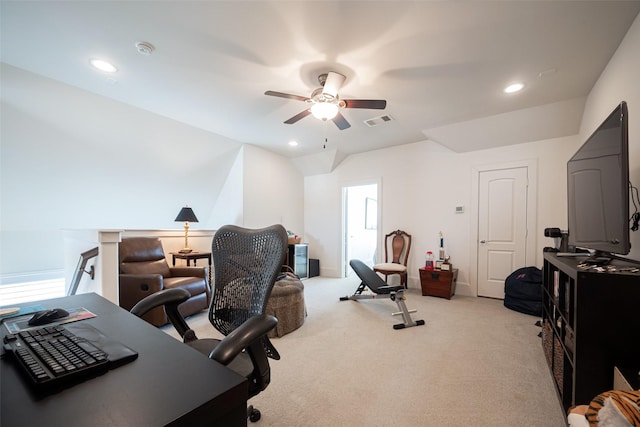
[380,289]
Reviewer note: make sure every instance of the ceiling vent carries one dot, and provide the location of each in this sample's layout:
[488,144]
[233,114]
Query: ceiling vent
[378,120]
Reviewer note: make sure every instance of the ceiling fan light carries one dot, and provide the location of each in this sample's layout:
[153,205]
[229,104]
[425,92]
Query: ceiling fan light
[324,110]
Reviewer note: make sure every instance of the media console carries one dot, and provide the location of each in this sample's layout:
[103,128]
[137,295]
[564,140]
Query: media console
[590,324]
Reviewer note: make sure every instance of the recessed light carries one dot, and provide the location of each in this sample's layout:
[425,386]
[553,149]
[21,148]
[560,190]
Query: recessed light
[293,143]
[103,66]
[515,87]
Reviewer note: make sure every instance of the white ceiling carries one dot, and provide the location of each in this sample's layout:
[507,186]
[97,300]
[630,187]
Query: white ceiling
[441,66]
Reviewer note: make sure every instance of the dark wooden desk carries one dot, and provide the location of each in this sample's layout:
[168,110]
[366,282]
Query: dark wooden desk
[168,384]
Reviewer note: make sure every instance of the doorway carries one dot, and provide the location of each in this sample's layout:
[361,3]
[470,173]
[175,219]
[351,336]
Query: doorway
[360,224]
[505,205]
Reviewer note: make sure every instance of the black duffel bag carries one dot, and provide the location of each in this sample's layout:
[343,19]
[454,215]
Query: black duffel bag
[523,291]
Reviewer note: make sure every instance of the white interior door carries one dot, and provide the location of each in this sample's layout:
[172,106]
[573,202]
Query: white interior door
[502,227]
[360,224]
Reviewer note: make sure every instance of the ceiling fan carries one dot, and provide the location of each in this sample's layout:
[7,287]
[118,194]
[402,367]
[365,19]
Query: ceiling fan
[325,102]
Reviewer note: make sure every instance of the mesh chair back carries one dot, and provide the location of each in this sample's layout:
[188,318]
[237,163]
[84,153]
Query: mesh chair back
[246,263]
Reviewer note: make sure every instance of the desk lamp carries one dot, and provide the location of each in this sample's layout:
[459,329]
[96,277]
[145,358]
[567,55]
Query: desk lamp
[186,214]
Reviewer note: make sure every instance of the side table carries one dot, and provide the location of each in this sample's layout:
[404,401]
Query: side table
[195,256]
[438,283]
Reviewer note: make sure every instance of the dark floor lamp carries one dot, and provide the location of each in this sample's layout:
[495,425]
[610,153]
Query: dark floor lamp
[186,214]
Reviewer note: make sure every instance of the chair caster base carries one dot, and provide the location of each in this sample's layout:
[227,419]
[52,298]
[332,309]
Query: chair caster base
[253,414]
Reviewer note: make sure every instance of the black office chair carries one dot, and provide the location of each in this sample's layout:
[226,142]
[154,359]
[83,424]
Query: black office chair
[246,264]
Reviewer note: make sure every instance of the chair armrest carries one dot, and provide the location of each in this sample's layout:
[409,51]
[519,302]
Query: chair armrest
[202,272]
[154,281]
[190,271]
[243,336]
[170,299]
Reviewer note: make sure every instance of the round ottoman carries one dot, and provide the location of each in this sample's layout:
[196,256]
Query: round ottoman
[286,303]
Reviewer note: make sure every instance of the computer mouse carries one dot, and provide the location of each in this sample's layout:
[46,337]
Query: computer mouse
[47,316]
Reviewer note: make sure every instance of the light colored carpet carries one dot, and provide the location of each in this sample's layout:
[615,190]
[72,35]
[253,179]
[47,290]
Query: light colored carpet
[474,363]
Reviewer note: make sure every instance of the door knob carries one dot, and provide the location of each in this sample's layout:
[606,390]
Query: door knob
[483,241]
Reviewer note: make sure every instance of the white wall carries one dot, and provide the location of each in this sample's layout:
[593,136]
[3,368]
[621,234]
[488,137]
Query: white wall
[422,184]
[273,191]
[70,159]
[619,82]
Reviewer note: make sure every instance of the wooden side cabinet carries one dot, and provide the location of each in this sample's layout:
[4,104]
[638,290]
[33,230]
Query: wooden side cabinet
[438,283]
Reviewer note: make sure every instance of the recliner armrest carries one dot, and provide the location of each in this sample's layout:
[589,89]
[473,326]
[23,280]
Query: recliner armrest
[241,337]
[153,281]
[190,271]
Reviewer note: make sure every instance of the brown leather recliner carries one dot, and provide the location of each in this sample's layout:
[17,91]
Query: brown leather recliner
[144,271]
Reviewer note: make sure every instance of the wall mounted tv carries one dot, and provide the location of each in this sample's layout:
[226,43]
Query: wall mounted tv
[598,190]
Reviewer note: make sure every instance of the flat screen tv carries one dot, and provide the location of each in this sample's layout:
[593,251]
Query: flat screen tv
[598,190]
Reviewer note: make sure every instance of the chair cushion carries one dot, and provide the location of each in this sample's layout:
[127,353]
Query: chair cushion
[139,249]
[142,255]
[390,266]
[241,364]
[151,267]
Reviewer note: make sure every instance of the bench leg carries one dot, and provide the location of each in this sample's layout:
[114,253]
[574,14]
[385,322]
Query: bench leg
[399,298]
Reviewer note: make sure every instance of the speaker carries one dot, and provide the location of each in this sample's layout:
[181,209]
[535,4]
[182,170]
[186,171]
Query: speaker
[314,267]
[552,232]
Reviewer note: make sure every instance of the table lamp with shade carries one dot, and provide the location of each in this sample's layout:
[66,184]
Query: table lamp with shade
[186,215]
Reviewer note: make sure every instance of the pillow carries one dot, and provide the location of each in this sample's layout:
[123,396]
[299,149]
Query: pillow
[577,420]
[615,408]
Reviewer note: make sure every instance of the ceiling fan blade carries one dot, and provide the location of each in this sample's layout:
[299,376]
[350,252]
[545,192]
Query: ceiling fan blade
[376,104]
[298,116]
[333,83]
[341,122]
[286,95]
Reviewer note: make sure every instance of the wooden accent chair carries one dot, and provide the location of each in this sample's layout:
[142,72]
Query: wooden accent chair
[397,245]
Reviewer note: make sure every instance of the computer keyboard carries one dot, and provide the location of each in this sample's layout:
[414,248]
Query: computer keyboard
[53,355]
